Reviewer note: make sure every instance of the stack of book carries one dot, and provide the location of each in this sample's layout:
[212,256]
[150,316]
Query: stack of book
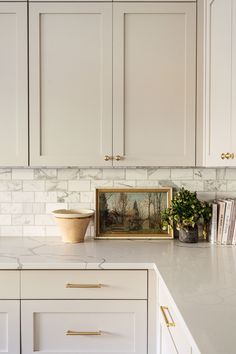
[223,222]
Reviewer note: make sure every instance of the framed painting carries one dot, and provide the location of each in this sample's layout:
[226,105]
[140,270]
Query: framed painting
[132,213]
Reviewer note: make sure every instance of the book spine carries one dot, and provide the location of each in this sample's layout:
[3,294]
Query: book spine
[226,222]
[220,222]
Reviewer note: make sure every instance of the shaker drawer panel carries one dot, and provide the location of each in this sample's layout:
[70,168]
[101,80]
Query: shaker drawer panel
[170,318]
[11,281]
[83,284]
[84,326]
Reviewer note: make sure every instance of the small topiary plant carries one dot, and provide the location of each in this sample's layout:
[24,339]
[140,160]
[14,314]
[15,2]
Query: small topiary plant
[185,211]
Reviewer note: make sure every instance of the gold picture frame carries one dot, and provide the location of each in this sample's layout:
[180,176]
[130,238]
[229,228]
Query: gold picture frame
[132,213]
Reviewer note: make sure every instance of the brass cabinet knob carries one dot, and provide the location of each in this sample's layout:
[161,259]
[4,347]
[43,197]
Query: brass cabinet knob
[107,158]
[227,156]
[118,157]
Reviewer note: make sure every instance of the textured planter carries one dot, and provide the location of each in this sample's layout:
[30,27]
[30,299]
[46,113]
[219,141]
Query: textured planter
[73,224]
[189,236]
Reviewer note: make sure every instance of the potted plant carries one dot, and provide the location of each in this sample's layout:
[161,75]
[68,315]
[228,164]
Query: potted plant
[185,212]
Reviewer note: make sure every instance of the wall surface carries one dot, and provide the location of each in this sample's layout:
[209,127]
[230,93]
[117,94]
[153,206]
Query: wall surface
[27,196]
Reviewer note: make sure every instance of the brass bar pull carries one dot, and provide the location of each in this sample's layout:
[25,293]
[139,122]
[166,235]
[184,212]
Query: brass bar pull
[83,286]
[168,323]
[76,333]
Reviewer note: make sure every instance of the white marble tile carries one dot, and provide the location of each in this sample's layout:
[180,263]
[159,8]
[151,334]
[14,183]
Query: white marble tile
[45,173]
[90,173]
[136,173]
[113,173]
[68,173]
[77,186]
[22,219]
[23,197]
[11,208]
[10,185]
[33,186]
[46,197]
[192,185]
[102,184]
[79,205]
[124,183]
[52,231]
[65,197]
[22,173]
[158,173]
[5,197]
[33,230]
[5,173]
[56,186]
[215,186]
[181,173]
[5,219]
[54,206]
[44,219]
[230,173]
[205,173]
[87,197]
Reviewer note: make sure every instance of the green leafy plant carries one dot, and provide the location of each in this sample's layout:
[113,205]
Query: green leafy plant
[185,211]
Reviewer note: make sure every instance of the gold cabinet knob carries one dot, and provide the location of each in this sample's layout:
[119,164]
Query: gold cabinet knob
[227,156]
[118,157]
[107,158]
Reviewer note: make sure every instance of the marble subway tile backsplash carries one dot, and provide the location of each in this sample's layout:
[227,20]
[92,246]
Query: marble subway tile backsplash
[27,196]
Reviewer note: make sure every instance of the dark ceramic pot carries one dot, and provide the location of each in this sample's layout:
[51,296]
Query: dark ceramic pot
[189,236]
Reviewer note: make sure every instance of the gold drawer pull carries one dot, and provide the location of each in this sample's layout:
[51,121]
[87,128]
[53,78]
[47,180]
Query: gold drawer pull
[83,286]
[75,333]
[168,323]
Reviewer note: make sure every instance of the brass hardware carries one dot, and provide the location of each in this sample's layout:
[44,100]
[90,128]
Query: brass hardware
[75,333]
[83,286]
[107,158]
[227,156]
[168,323]
[118,157]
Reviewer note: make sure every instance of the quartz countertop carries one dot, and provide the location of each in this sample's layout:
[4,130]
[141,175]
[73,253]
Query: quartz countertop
[201,278]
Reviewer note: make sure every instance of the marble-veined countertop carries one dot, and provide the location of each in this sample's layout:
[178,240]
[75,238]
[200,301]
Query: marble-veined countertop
[201,278]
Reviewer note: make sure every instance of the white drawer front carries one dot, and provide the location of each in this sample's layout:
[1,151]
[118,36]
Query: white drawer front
[168,314]
[10,279]
[10,326]
[85,284]
[121,326]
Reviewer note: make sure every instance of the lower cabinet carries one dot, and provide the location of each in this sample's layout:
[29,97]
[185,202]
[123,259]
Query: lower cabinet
[84,326]
[10,326]
[172,338]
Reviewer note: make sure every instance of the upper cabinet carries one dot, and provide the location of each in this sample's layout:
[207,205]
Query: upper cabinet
[13,84]
[217,83]
[74,120]
[154,69]
[70,84]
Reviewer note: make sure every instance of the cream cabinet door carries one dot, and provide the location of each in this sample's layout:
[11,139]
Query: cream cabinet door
[166,344]
[13,84]
[84,326]
[10,326]
[154,84]
[70,82]
[217,110]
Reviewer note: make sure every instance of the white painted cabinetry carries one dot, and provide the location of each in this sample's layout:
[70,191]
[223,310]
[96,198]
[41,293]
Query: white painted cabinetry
[154,83]
[217,83]
[70,83]
[13,84]
[84,312]
[9,312]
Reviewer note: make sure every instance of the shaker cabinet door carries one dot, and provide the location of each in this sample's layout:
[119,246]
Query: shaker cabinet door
[10,326]
[84,326]
[217,145]
[154,84]
[13,84]
[70,68]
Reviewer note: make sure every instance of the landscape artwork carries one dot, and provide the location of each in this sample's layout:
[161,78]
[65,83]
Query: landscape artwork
[131,213]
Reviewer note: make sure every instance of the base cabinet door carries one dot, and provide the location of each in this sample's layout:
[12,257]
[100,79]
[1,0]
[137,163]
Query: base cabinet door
[10,326]
[166,344]
[154,69]
[70,83]
[84,326]
[13,84]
